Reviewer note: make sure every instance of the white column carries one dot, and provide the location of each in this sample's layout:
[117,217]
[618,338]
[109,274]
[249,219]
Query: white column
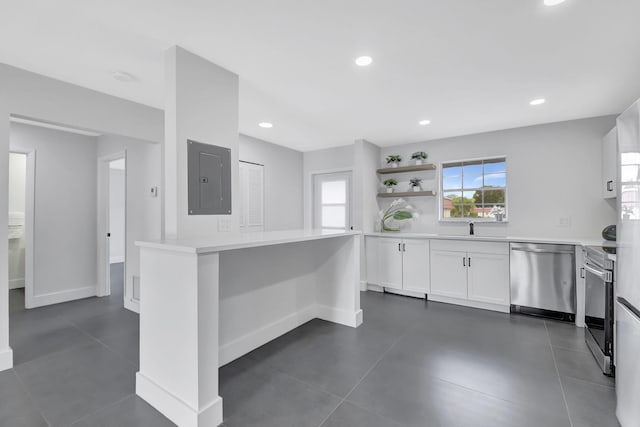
[6,355]
[201,104]
[179,336]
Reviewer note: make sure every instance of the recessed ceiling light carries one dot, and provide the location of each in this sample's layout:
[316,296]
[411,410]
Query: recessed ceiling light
[553,2]
[265,125]
[123,76]
[363,61]
[538,101]
[424,122]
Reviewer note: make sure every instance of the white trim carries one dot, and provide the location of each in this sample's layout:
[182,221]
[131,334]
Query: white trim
[16,283]
[63,296]
[6,359]
[469,303]
[116,259]
[406,293]
[42,124]
[174,408]
[132,305]
[363,285]
[343,317]
[246,343]
[375,288]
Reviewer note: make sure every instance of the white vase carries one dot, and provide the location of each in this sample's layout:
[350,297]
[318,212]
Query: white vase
[394,165]
[416,189]
[389,189]
[418,162]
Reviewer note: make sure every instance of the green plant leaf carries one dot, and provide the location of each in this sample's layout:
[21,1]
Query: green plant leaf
[400,215]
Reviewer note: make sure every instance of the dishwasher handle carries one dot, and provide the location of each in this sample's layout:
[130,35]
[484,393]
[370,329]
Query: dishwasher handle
[604,275]
[542,251]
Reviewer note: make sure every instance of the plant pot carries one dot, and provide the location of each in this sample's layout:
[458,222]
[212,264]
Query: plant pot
[416,189]
[394,164]
[389,190]
[418,162]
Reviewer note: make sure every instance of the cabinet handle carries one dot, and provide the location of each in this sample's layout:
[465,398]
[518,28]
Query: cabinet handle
[582,273]
[404,247]
[464,261]
[399,250]
[609,185]
[469,262]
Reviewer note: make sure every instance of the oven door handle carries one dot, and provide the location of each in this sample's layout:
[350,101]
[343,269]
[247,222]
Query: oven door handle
[605,275]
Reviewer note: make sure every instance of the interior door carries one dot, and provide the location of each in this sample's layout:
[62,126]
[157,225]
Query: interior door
[251,197]
[390,263]
[449,273]
[415,265]
[488,277]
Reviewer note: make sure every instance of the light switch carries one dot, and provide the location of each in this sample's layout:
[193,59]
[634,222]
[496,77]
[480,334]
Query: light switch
[154,191]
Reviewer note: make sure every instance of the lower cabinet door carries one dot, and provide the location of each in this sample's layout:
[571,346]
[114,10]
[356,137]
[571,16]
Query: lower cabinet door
[489,278]
[371,257]
[390,263]
[449,273]
[415,265]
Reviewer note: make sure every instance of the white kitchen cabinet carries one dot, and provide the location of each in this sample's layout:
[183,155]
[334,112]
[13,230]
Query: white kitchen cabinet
[609,168]
[488,277]
[401,264]
[390,263]
[448,273]
[473,272]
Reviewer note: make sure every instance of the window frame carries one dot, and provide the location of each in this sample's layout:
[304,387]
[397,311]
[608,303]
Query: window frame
[442,218]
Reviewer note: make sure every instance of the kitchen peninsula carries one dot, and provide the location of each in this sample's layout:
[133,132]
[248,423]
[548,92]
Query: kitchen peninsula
[208,302]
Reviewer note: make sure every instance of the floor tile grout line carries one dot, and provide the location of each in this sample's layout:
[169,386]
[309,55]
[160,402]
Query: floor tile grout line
[555,362]
[100,410]
[376,363]
[112,351]
[30,396]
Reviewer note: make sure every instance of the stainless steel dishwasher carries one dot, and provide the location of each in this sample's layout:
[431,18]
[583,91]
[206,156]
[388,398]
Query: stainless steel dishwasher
[543,279]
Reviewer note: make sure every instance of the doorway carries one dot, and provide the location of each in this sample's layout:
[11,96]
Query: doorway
[112,235]
[332,201]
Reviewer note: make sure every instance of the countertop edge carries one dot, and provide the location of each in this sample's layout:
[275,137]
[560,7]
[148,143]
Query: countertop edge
[506,239]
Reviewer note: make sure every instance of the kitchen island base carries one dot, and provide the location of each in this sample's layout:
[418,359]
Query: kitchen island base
[203,306]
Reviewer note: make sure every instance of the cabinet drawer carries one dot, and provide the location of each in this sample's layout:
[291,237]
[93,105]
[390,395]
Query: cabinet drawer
[501,248]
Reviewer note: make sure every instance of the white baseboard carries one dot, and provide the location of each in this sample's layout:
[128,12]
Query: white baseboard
[6,359]
[132,305]
[62,296]
[374,288]
[468,303]
[405,293]
[116,259]
[16,283]
[343,317]
[363,285]
[246,343]
[176,409]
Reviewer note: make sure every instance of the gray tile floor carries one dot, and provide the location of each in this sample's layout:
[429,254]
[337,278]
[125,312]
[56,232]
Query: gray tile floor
[411,363]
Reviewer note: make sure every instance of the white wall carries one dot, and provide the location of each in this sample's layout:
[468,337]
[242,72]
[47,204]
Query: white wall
[116,215]
[17,194]
[322,161]
[65,212]
[553,171]
[143,215]
[201,105]
[283,188]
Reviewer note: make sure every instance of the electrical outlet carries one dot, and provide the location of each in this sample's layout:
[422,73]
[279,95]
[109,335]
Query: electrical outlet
[224,224]
[564,221]
[154,191]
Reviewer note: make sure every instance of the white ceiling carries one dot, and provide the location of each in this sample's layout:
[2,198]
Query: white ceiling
[468,65]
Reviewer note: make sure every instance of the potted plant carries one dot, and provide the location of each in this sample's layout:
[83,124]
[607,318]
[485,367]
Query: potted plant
[390,183]
[419,156]
[497,212]
[393,160]
[415,184]
[399,210]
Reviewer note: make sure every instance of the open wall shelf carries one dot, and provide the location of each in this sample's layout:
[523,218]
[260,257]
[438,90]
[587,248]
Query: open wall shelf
[411,168]
[408,193]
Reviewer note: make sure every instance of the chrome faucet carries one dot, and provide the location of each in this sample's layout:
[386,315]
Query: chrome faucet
[471,232]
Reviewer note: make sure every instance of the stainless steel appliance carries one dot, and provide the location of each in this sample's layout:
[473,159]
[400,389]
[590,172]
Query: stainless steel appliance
[598,274]
[543,279]
[628,269]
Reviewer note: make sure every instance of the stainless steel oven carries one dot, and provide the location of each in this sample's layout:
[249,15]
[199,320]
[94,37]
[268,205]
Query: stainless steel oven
[598,273]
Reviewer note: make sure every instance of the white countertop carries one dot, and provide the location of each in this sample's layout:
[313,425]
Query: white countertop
[508,239]
[227,242]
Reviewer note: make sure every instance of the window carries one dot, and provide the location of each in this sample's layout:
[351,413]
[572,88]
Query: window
[331,201]
[470,189]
